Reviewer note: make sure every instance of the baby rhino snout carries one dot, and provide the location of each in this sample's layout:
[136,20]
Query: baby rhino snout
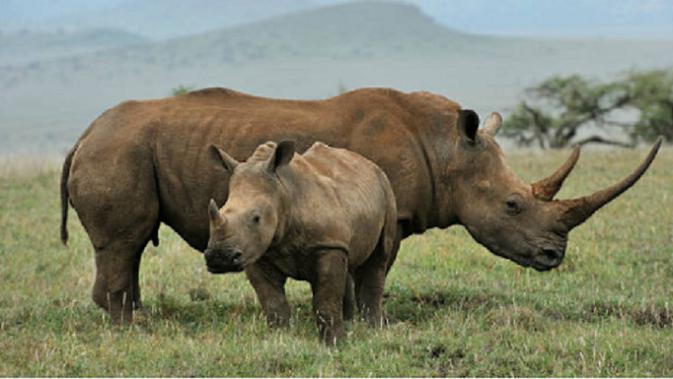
[223,259]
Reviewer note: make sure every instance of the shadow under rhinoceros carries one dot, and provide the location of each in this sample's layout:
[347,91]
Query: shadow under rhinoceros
[402,305]
[415,308]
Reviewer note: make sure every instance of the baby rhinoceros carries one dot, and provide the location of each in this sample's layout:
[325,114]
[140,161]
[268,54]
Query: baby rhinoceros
[320,217]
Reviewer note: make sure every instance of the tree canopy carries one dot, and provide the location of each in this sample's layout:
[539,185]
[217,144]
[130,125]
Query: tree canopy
[637,106]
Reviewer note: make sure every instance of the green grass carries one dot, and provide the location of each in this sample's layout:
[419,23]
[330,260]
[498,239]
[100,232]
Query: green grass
[459,311]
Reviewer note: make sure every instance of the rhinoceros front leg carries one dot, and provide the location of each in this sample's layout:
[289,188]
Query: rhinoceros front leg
[137,301]
[269,284]
[349,299]
[328,286]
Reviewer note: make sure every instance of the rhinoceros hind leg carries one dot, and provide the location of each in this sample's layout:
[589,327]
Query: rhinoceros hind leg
[116,286]
[120,214]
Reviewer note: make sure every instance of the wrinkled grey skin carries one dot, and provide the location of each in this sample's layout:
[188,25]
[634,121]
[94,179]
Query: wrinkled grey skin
[319,217]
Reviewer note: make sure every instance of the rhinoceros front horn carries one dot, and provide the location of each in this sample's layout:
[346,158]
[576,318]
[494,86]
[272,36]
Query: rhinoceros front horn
[576,211]
[548,187]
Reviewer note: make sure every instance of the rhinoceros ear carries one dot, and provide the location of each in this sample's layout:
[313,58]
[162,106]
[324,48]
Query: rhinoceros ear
[227,160]
[468,124]
[282,155]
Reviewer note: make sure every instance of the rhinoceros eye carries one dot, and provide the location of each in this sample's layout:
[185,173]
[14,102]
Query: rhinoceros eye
[513,205]
[255,218]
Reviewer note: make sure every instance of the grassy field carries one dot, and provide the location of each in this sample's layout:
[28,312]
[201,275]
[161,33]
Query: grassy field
[459,311]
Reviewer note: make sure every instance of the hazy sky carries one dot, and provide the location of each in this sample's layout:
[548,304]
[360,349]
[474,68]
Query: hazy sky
[564,18]
[616,18]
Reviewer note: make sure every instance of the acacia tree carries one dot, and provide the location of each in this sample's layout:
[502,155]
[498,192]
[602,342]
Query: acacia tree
[652,95]
[557,108]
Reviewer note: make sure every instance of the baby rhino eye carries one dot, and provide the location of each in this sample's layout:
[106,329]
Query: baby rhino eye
[255,219]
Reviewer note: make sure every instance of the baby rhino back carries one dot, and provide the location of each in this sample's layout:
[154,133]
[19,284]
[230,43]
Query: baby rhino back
[346,199]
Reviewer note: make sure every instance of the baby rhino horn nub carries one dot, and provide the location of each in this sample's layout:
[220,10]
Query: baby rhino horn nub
[576,211]
[548,187]
[214,213]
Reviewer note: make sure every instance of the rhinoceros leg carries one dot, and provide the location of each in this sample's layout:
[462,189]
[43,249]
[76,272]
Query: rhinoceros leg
[116,288]
[137,301]
[115,284]
[117,202]
[328,286]
[349,299]
[269,284]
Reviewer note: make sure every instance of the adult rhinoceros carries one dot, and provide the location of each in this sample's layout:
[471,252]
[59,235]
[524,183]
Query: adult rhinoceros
[143,163]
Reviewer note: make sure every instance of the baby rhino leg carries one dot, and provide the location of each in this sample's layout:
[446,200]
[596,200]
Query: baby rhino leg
[269,284]
[328,286]
[370,280]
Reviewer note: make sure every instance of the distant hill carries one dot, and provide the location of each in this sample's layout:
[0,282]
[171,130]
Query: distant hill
[28,47]
[161,19]
[359,30]
[353,30]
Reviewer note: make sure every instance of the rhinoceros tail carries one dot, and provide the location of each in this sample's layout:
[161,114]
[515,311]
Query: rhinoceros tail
[65,196]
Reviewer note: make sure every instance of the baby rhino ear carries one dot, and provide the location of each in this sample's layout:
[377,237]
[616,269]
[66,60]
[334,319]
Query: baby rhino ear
[281,156]
[221,156]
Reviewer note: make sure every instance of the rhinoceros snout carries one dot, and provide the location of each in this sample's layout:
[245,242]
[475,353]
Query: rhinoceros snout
[220,261]
[548,259]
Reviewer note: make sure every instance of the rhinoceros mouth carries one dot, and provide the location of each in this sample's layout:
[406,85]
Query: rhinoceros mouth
[547,259]
[224,269]
[541,267]
[222,259]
